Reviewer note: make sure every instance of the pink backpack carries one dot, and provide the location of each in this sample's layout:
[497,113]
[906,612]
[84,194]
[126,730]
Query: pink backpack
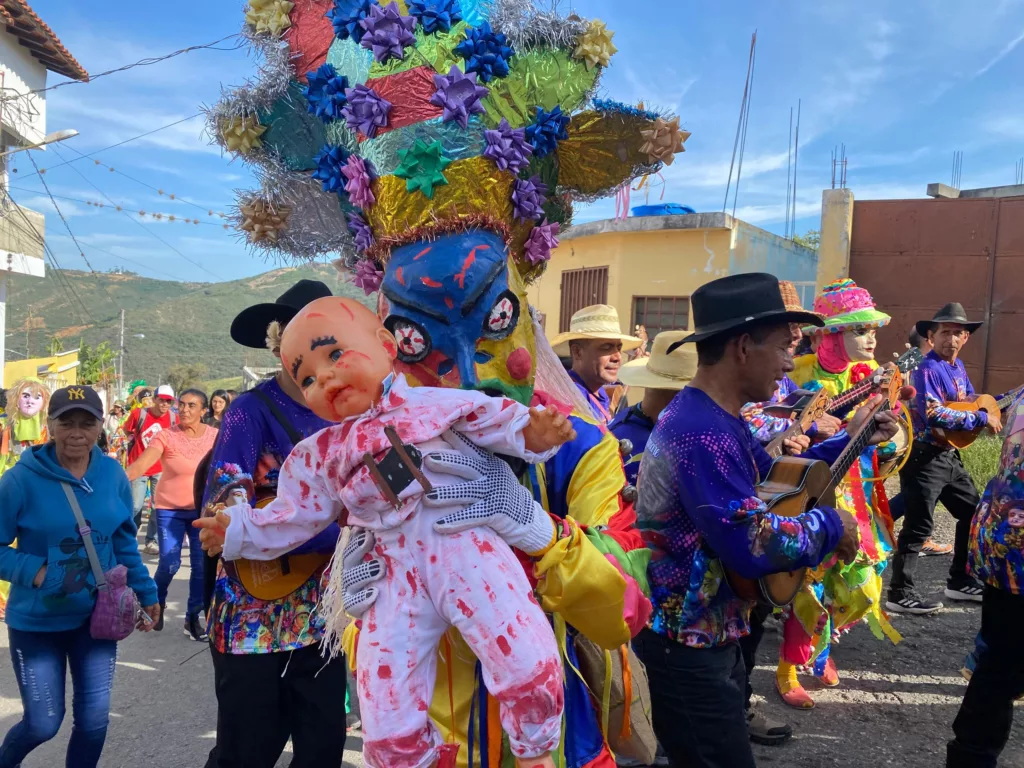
[113,616]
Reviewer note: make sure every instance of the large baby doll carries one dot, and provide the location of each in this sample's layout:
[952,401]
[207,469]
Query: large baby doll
[370,467]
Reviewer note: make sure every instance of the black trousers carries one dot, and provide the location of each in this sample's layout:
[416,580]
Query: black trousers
[932,475]
[265,698]
[697,697]
[982,726]
[748,645]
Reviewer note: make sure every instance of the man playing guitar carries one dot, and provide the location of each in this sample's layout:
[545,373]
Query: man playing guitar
[934,472]
[699,514]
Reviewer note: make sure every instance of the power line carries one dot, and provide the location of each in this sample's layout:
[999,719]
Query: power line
[144,227]
[69,290]
[144,63]
[63,220]
[120,143]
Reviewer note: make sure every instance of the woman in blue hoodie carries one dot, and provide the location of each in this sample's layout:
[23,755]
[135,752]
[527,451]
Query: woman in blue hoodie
[53,590]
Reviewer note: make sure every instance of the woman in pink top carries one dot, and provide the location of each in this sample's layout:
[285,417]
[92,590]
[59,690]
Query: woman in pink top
[179,449]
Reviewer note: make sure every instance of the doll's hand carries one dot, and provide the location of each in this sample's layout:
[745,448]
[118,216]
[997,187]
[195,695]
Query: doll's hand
[492,496]
[360,568]
[212,531]
[547,429]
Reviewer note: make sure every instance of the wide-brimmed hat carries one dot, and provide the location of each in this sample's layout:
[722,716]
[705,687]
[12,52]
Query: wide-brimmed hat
[735,301]
[663,369]
[249,328]
[845,305]
[951,313]
[598,321]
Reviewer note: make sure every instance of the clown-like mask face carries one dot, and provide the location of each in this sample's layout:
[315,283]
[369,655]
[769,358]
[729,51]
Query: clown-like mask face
[459,314]
[860,344]
[236,497]
[1015,517]
[339,354]
[30,403]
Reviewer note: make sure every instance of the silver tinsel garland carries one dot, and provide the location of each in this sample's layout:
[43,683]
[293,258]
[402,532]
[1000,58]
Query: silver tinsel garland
[526,26]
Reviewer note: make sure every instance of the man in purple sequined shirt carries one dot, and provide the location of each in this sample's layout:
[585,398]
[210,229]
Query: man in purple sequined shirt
[934,471]
[699,513]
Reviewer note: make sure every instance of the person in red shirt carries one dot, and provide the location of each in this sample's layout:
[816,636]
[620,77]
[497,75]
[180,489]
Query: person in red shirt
[139,430]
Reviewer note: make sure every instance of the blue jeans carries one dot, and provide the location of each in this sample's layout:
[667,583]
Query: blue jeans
[139,488]
[40,661]
[172,527]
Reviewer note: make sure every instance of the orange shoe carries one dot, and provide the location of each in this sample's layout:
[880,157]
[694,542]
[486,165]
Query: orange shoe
[830,677]
[789,687]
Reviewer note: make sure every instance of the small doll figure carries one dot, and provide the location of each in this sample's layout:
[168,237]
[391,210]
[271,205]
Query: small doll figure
[370,466]
[27,401]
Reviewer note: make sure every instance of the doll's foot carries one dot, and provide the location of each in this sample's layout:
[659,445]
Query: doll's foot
[789,687]
[544,761]
[829,676]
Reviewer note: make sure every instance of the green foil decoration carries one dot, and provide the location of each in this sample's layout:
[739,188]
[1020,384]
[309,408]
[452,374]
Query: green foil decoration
[436,51]
[539,77]
[350,59]
[292,132]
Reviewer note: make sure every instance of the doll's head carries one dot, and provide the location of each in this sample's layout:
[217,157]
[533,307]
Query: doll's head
[339,354]
[1015,516]
[27,399]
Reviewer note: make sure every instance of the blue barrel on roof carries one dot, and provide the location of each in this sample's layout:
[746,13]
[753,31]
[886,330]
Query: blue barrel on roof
[663,209]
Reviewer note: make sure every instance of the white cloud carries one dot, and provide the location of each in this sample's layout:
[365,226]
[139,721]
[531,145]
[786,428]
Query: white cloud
[43,204]
[1005,51]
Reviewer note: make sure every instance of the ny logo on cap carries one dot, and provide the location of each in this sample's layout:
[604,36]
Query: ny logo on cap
[76,393]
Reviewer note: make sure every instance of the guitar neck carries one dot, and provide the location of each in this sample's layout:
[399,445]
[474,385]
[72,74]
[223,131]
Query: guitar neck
[1007,401]
[776,448]
[842,403]
[852,451]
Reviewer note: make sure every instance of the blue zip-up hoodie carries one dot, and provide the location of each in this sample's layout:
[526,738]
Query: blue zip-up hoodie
[35,511]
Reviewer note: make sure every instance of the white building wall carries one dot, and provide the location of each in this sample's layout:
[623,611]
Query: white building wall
[23,119]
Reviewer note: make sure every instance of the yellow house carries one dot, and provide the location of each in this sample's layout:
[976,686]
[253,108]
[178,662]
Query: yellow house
[55,371]
[648,266]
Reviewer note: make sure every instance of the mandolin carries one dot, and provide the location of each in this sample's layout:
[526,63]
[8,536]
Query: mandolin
[961,438]
[795,485]
[842,403]
[803,408]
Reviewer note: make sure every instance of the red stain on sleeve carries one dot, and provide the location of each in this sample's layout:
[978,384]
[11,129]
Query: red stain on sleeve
[466,610]
[323,442]
[304,487]
[411,578]
[504,646]
[384,672]
[401,541]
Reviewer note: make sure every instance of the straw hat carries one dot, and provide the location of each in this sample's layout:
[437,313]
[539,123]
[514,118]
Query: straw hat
[598,321]
[662,370]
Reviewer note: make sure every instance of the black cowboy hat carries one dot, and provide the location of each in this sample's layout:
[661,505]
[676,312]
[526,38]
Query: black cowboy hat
[250,327]
[951,313]
[736,301]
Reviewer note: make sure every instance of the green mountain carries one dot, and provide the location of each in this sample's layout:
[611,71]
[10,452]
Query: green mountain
[180,322]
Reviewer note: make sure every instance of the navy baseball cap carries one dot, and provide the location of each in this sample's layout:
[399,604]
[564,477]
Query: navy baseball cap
[75,398]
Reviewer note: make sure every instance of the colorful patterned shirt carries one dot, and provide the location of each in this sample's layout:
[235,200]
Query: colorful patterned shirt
[698,508]
[938,382]
[253,444]
[634,425]
[997,531]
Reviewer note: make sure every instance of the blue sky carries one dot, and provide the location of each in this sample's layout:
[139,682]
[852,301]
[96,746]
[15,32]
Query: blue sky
[902,84]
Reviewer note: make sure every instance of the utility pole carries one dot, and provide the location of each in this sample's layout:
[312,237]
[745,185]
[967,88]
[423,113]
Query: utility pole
[120,361]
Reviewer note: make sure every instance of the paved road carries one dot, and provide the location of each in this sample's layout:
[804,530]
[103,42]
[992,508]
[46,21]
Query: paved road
[895,704]
[164,709]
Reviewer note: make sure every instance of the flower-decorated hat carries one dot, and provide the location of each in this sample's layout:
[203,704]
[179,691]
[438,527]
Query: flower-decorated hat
[845,305]
[376,124]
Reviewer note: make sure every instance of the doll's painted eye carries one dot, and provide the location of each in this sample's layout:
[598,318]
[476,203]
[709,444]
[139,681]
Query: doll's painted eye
[307,382]
[336,355]
[413,339]
[503,317]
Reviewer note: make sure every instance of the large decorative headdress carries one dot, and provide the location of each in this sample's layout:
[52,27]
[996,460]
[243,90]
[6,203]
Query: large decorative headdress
[377,125]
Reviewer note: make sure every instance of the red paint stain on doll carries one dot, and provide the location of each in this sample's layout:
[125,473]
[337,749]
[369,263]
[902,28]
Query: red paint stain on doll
[484,547]
[411,578]
[466,610]
[504,646]
[304,488]
[401,541]
[384,672]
